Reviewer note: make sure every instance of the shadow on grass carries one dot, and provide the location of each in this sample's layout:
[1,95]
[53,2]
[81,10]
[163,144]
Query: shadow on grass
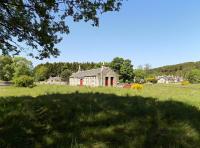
[97,120]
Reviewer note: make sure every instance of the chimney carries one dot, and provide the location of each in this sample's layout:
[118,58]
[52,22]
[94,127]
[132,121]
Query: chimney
[102,67]
[79,68]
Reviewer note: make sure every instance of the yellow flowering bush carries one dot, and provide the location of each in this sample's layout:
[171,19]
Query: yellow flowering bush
[185,83]
[137,86]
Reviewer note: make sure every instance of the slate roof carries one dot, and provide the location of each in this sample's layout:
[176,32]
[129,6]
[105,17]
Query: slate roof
[88,73]
[81,74]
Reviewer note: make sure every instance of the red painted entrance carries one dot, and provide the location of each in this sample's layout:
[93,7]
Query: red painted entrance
[106,81]
[111,81]
[81,82]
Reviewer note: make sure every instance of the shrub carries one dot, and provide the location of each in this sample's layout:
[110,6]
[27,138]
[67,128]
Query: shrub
[24,81]
[194,76]
[185,83]
[137,86]
[152,80]
[127,85]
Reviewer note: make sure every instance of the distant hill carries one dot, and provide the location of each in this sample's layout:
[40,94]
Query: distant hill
[178,69]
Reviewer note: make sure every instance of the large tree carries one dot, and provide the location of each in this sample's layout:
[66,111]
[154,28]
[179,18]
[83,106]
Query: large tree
[39,23]
[126,71]
[6,68]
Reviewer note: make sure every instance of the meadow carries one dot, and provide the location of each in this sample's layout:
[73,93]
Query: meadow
[64,116]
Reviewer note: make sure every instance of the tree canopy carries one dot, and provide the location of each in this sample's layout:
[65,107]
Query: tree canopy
[39,23]
[14,67]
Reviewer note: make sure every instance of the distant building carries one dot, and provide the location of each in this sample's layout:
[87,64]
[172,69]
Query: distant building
[54,80]
[103,76]
[169,79]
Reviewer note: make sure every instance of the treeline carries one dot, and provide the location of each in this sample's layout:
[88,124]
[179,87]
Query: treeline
[122,66]
[12,68]
[178,70]
[61,69]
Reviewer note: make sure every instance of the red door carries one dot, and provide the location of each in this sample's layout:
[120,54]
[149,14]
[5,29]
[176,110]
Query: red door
[111,81]
[81,82]
[106,81]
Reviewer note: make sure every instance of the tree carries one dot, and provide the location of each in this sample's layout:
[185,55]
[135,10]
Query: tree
[6,68]
[41,73]
[22,66]
[39,23]
[65,74]
[116,64]
[7,72]
[140,75]
[126,71]
[194,76]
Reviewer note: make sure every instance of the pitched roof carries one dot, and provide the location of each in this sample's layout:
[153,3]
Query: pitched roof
[87,73]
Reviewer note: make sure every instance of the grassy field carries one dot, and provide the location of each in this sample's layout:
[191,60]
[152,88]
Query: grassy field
[62,116]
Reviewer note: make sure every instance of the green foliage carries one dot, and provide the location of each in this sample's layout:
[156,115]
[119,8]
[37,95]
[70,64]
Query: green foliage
[61,116]
[41,73]
[14,67]
[39,24]
[65,74]
[140,75]
[177,70]
[6,68]
[22,66]
[116,64]
[151,80]
[7,72]
[194,76]
[126,71]
[124,68]
[185,83]
[24,81]
[55,69]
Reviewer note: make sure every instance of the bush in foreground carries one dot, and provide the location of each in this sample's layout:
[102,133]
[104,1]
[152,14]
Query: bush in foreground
[24,81]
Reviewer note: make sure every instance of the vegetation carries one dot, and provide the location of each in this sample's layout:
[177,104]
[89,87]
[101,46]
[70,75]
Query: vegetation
[41,73]
[24,81]
[194,76]
[40,23]
[185,83]
[137,86]
[140,76]
[124,68]
[178,69]
[65,74]
[62,116]
[151,80]
[14,67]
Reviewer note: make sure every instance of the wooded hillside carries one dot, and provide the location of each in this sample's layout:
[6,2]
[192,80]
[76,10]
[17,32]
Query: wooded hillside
[178,69]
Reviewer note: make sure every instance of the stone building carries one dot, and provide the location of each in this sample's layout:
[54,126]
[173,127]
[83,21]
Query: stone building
[103,76]
[169,79]
[54,80]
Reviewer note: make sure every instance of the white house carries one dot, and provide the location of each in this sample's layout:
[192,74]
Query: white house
[169,79]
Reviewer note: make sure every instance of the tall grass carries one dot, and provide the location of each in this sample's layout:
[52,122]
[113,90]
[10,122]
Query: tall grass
[62,116]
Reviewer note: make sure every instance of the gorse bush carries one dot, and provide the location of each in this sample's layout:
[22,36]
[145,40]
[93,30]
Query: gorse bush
[185,83]
[152,80]
[137,86]
[24,81]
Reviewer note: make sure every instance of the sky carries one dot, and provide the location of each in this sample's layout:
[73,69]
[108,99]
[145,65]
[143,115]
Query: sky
[157,32]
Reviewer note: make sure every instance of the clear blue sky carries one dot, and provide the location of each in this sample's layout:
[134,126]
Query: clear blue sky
[157,32]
